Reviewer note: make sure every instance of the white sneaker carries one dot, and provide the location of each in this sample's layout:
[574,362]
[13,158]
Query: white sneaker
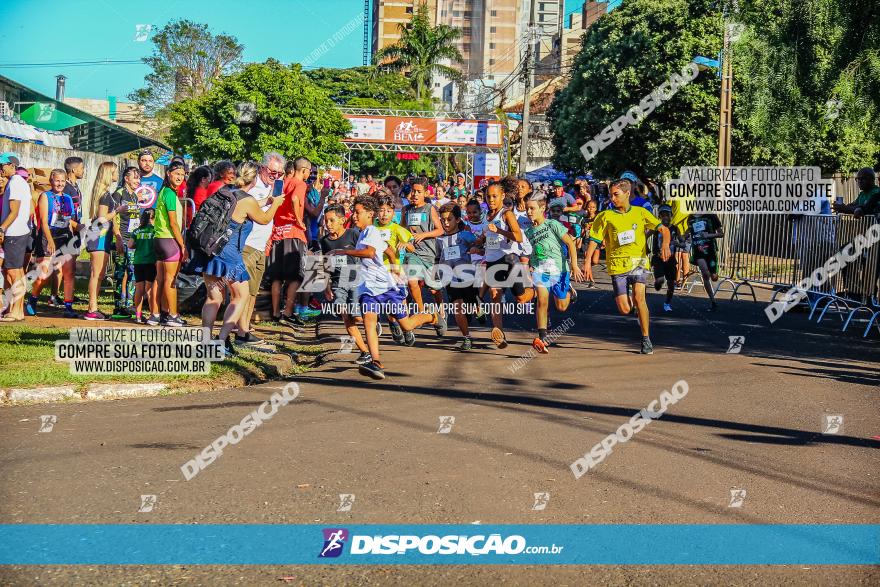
[667,308]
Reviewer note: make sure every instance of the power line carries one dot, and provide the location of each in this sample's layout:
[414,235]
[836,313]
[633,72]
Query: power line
[71,63]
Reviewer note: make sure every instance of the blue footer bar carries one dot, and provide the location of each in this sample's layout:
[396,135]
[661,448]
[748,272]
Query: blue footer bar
[610,544]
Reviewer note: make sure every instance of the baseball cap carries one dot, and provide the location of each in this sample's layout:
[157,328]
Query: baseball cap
[8,157]
[459,175]
[557,183]
[665,208]
[629,175]
[557,203]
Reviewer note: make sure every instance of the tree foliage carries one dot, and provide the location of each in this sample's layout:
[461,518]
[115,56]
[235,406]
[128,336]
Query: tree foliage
[808,80]
[626,55]
[420,51]
[187,58]
[363,84]
[292,116]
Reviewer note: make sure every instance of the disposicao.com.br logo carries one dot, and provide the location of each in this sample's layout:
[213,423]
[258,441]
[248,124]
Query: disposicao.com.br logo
[452,544]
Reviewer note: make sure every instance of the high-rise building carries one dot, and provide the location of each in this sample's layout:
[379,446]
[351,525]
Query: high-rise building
[548,43]
[492,42]
[388,15]
[593,11]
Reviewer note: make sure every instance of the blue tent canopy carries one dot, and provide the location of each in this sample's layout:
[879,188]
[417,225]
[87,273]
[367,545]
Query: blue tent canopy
[546,173]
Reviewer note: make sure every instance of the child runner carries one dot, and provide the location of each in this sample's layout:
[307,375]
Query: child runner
[344,294]
[477,224]
[622,229]
[453,251]
[141,242]
[423,221]
[395,236]
[501,241]
[548,237]
[586,225]
[378,293]
[665,271]
[704,229]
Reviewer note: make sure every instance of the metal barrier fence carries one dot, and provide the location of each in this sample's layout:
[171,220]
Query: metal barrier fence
[780,251]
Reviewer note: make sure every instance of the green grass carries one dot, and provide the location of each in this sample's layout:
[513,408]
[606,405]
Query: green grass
[27,359]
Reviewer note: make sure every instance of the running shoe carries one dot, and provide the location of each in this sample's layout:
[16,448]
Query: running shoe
[120,313]
[441,325]
[409,339]
[70,313]
[667,308]
[230,348]
[292,320]
[498,338]
[154,320]
[248,339]
[174,321]
[54,302]
[465,344]
[574,293]
[540,346]
[314,304]
[396,332]
[372,369]
[308,313]
[364,358]
[647,347]
[97,315]
[30,307]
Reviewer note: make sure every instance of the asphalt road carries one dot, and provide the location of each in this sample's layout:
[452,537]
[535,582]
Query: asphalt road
[751,421]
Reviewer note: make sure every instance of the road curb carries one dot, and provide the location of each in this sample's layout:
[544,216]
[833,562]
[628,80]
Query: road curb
[39,395]
[95,392]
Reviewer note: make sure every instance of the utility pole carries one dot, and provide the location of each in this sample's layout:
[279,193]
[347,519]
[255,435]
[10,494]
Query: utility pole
[528,74]
[725,122]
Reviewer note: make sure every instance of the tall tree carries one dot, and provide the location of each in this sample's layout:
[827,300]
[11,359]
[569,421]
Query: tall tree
[363,83]
[187,59]
[420,51]
[626,55]
[808,81]
[263,107]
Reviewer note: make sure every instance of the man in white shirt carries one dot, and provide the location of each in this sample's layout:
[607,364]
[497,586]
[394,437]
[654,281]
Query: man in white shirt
[254,253]
[15,235]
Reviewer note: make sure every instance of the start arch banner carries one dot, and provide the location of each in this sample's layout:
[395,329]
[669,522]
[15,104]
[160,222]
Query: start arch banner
[423,131]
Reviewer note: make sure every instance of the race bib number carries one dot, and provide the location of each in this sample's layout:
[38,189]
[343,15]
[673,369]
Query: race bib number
[549,266]
[61,222]
[133,224]
[699,226]
[414,219]
[626,237]
[338,261]
[385,234]
[493,241]
[451,253]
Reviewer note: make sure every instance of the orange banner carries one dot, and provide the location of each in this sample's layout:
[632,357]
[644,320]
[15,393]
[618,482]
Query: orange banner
[398,130]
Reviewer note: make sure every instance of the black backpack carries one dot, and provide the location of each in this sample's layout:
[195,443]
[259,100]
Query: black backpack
[209,230]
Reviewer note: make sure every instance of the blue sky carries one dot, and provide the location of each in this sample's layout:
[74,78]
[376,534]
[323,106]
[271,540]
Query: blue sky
[288,30]
[89,30]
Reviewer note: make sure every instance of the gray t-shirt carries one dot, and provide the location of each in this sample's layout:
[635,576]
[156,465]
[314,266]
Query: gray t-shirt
[418,219]
[452,250]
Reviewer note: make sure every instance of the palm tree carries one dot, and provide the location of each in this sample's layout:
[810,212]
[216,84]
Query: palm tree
[420,50]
